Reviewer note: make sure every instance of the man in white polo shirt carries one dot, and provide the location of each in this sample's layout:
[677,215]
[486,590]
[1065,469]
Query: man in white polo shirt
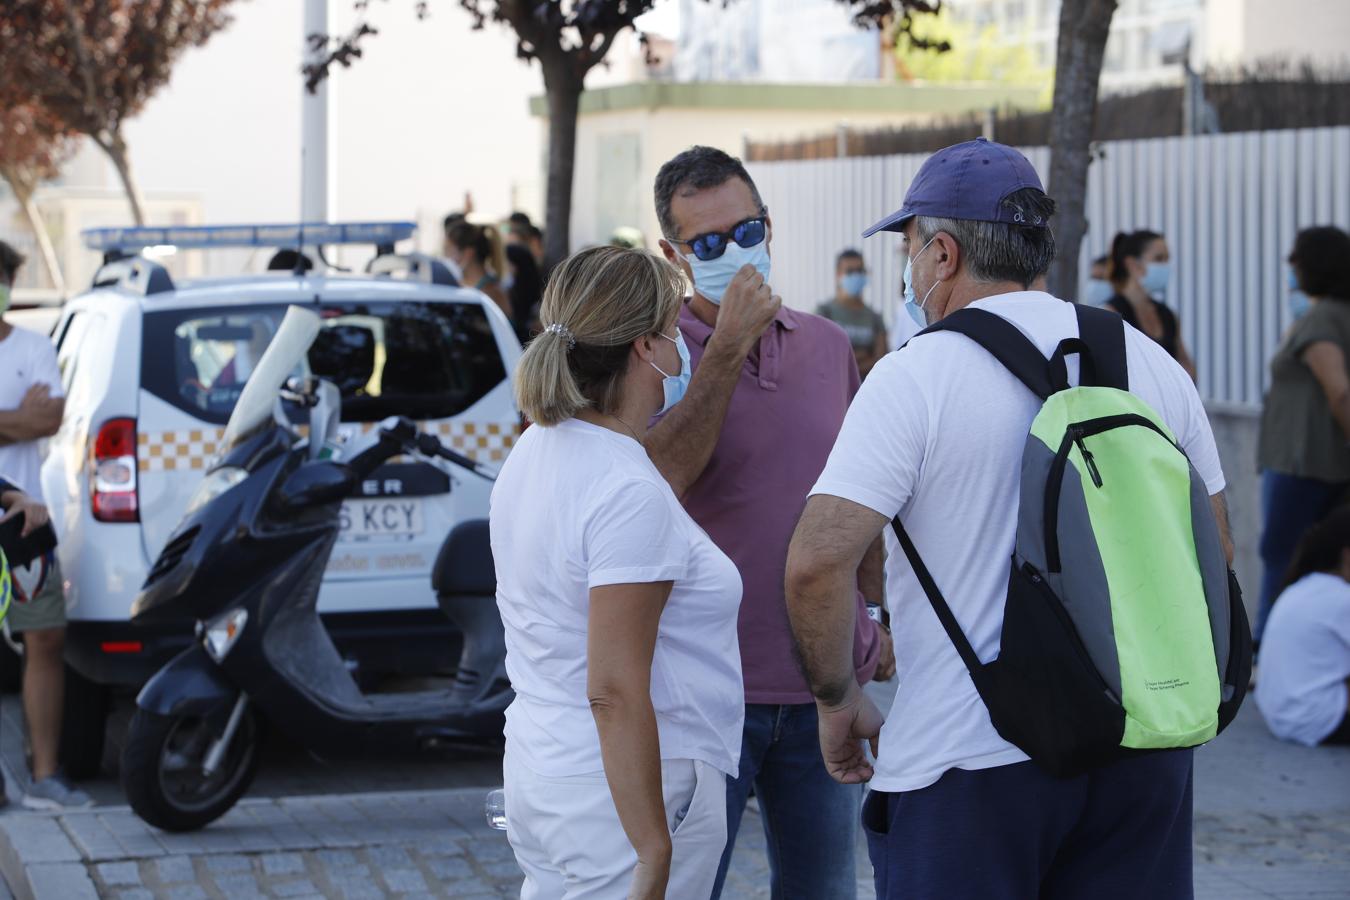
[936,436]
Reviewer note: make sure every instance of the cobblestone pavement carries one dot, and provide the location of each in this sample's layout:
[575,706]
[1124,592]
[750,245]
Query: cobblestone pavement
[1271,821]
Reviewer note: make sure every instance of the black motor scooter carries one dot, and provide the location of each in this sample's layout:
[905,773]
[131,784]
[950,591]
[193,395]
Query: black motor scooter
[246,564]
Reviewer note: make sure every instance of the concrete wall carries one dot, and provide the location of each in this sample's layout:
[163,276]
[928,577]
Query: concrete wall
[1235,431]
[1245,31]
[626,132]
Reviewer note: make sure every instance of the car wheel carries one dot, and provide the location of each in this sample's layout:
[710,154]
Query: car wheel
[84,726]
[162,769]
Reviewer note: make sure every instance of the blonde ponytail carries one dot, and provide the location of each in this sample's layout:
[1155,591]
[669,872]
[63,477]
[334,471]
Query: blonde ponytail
[546,390]
[597,303]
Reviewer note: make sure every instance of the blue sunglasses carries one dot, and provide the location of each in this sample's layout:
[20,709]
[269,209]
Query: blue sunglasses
[712,245]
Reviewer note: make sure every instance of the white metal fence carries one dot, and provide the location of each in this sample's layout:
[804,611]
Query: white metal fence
[1229,205]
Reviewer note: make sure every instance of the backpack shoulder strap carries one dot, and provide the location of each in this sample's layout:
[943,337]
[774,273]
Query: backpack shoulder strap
[1005,342]
[938,602]
[1103,331]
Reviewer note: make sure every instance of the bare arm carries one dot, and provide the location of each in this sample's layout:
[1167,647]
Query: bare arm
[1327,363]
[823,559]
[1219,503]
[872,572]
[683,441]
[620,644]
[38,416]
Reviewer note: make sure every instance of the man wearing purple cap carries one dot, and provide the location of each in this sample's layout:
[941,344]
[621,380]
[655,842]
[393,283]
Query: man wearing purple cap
[935,436]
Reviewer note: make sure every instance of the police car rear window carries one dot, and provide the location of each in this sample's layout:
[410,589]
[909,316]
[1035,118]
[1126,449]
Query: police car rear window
[422,360]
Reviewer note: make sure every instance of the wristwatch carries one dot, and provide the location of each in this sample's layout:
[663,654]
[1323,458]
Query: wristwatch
[878,612]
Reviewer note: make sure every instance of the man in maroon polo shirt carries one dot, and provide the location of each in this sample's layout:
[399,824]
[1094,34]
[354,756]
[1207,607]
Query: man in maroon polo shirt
[769,391]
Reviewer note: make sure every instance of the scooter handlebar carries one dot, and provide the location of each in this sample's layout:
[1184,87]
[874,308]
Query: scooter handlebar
[404,432]
[430,445]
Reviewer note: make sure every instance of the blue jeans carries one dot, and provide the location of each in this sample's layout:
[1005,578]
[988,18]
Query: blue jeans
[810,820]
[1120,832]
[1292,505]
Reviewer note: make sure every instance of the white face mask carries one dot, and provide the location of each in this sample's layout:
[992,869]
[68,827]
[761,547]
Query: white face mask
[913,305]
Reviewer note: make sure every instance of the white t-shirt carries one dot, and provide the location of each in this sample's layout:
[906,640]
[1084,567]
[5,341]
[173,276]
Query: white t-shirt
[578,506]
[936,434]
[26,359]
[1305,659]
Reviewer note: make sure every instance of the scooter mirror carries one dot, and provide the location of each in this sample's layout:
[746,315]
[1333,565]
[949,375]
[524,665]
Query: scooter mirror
[315,484]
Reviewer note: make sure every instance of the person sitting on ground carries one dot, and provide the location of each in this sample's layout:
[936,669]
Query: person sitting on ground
[476,250]
[1304,686]
[1139,271]
[864,326]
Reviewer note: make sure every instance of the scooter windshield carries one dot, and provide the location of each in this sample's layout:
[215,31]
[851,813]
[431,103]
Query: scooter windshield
[259,397]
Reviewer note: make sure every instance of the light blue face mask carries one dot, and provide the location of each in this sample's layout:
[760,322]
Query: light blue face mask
[712,277]
[853,283]
[1299,304]
[675,385]
[912,304]
[1156,276]
[1098,292]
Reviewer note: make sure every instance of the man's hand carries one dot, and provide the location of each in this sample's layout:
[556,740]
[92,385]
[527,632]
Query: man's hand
[886,662]
[34,514]
[650,878]
[843,729]
[748,308]
[36,398]
[38,403]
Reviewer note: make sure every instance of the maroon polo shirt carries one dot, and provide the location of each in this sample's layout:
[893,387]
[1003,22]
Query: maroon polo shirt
[785,414]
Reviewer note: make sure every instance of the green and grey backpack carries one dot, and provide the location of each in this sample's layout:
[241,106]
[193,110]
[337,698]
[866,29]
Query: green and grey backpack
[1124,629]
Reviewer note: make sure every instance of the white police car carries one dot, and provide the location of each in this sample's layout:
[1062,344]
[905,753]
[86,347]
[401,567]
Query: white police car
[152,370]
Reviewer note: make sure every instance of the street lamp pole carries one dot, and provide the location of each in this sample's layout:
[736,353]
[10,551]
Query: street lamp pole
[315,185]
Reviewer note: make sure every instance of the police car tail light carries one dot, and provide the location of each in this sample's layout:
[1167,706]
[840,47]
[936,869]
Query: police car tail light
[113,476]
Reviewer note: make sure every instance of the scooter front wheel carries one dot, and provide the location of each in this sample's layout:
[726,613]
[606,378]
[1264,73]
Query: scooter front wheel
[163,772]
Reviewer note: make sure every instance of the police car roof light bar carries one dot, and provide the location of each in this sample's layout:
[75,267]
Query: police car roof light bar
[206,237]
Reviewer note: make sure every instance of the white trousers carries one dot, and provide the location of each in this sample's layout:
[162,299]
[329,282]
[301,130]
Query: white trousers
[570,844]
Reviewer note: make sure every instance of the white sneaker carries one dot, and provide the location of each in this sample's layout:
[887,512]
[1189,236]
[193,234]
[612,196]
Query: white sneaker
[54,795]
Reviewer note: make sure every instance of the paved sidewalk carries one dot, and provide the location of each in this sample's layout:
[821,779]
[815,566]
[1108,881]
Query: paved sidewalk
[1271,821]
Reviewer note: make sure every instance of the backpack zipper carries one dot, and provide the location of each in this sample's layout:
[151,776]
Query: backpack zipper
[1074,435]
[1087,457]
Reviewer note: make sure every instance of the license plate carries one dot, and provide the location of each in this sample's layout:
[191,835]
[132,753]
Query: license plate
[392,517]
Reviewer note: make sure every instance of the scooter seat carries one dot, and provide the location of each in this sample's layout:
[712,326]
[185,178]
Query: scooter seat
[464,565]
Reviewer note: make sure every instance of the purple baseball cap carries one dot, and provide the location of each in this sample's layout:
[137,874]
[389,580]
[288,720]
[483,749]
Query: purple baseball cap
[967,181]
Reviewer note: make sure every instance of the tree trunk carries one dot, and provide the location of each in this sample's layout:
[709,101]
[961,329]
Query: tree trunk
[116,148]
[44,240]
[563,88]
[1083,28]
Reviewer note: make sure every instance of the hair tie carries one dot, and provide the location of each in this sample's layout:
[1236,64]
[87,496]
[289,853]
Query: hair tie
[563,332]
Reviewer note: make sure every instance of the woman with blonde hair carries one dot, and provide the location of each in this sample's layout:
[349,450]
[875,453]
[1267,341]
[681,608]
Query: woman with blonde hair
[620,613]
